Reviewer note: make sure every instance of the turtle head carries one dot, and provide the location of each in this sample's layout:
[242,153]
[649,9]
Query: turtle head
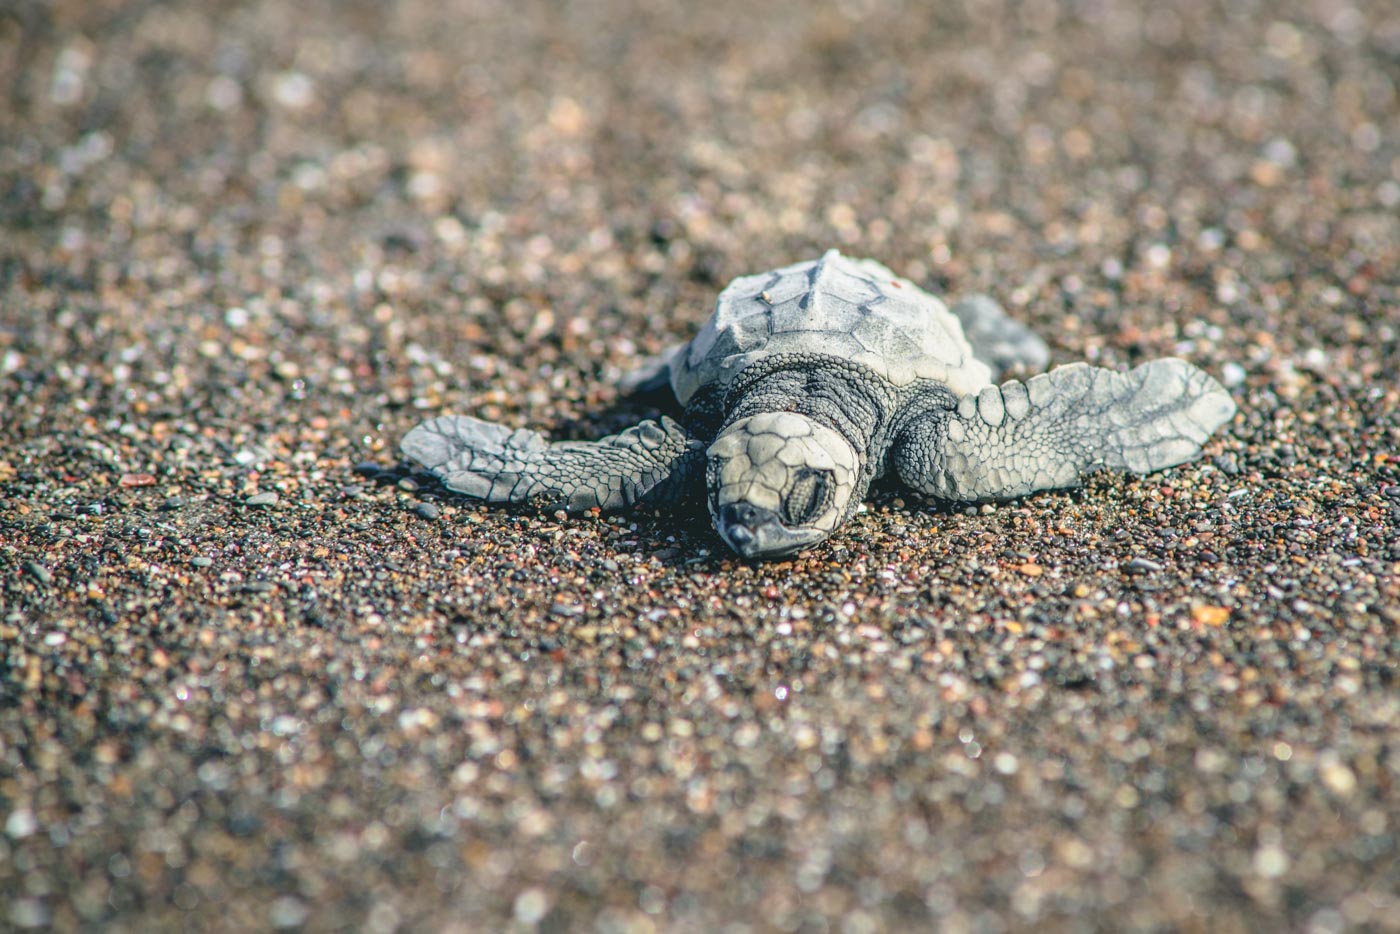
[778,482]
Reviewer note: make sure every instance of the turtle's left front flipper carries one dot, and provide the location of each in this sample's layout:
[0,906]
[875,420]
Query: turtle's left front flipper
[1047,433]
[650,462]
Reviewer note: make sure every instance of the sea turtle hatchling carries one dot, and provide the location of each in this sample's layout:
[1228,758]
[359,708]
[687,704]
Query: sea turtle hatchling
[811,381]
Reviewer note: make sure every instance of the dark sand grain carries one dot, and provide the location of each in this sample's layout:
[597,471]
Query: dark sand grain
[254,675]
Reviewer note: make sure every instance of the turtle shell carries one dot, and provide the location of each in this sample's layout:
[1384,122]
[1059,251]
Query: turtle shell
[855,309]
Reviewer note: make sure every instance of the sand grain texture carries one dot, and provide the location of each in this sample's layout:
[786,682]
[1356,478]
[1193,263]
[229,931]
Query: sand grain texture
[249,679]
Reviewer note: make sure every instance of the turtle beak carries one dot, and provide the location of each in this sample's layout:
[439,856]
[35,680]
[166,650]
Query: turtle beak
[755,532]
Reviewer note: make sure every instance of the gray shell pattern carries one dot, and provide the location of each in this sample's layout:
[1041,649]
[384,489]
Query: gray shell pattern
[859,311]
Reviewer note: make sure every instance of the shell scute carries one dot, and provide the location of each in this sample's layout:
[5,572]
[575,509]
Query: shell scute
[838,306]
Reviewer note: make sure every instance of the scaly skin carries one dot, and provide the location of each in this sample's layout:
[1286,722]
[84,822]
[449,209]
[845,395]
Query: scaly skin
[486,461]
[1050,431]
[789,420]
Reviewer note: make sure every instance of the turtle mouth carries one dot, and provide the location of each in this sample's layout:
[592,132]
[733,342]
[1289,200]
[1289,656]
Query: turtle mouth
[755,532]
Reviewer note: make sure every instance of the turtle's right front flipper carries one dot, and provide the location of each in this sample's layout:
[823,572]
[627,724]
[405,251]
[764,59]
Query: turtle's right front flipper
[649,462]
[1048,432]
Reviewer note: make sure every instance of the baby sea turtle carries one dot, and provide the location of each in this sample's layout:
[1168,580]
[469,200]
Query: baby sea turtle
[811,381]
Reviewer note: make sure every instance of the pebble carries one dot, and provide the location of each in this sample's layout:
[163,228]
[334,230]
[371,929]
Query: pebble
[1211,615]
[1338,778]
[21,823]
[268,498]
[39,572]
[427,511]
[287,912]
[201,561]
[1140,566]
[1227,463]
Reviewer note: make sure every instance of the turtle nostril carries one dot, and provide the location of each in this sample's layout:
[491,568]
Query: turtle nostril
[738,535]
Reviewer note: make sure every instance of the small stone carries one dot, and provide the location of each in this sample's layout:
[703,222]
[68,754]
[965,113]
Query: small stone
[1338,777]
[409,485]
[38,572]
[1211,615]
[29,913]
[173,502]
[1139,566]
[201,561]
[262,499]
[531,906]
[293,90]
[1030,569]
[287,912]
[567,610]
[367,469]
[1270,861]
[20,824]
[427,511]
[130,480]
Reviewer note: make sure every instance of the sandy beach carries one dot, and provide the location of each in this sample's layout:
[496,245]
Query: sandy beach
[257,674]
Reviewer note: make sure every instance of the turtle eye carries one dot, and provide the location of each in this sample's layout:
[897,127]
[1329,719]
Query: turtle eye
[808,497]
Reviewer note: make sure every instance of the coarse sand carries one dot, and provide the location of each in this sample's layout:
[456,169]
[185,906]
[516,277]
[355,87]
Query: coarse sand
[256,674]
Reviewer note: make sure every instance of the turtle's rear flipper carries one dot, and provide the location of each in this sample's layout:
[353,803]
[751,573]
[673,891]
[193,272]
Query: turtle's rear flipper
[997,339]
[652,377]
[1049,431]
[651,461]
